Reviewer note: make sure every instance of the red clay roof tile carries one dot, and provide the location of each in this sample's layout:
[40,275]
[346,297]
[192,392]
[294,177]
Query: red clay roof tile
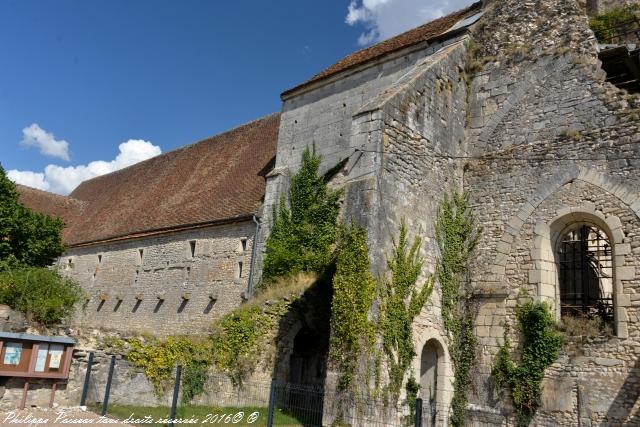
[423,33]
[216,179]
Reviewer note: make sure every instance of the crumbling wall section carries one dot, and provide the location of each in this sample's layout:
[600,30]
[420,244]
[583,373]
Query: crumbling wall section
[548,137]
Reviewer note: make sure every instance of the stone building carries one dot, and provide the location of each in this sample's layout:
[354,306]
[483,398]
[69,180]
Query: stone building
[508,100]
[165,246]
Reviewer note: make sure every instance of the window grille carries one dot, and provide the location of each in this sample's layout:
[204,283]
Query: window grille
[586,273]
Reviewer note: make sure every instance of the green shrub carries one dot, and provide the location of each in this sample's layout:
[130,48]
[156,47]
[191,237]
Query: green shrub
[303,234]
[43,295]
[540,348]
[236,341]
[606,25]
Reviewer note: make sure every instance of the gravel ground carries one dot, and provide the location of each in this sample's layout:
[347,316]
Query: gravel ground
[54,417]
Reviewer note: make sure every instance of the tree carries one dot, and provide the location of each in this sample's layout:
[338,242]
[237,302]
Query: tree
[27,238]
[30,242]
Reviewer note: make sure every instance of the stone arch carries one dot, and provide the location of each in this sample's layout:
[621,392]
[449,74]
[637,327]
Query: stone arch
[535,77]
[624,192]
[434,373]
[544,274]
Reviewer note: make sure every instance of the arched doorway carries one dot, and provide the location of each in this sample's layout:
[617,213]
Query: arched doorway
[306,363]
[431,379]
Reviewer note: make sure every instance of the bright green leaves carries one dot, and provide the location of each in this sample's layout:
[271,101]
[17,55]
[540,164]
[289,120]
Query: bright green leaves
[27,238]
[457,236]
[304,233]
[541,344]
[354,291]
[400,303]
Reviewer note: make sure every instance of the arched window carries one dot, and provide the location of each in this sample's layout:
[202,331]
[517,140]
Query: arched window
[585,272]
[579,266]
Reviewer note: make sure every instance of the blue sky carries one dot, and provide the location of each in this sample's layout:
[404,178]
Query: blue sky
[119,81]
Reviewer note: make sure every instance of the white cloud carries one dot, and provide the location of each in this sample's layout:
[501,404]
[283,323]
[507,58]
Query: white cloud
[382,19]
[63,180]
[35,136]
[28,178]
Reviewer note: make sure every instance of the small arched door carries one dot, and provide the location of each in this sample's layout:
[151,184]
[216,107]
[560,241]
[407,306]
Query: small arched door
[431,374]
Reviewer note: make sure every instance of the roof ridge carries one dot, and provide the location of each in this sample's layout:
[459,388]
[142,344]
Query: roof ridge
[386,47]
[181,148]
[49,193]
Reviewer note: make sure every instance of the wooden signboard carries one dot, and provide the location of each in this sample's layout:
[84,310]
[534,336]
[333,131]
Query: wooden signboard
[35,356]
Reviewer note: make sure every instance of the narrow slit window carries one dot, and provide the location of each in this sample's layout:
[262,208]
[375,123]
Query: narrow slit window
[239,269]
[99,258]
[141,255]
[243,242]
[192,246]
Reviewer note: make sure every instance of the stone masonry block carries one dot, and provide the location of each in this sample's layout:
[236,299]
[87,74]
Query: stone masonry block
[623,300]
[613,222]
[625,273]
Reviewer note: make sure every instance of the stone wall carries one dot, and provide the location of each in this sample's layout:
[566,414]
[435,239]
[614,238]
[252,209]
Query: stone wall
[170,284]
[560,147]
[330,117]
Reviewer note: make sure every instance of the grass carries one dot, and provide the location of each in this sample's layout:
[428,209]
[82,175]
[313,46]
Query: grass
[585,327]
[283,287]
[156,416]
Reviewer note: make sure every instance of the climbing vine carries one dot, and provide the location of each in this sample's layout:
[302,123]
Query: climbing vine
[540,348]
[400,303]
[158,359]
[457,236]
[305,231]
[238,335]
[354,291]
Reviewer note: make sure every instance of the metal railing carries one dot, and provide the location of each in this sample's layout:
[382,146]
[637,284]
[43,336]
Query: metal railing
[253,403]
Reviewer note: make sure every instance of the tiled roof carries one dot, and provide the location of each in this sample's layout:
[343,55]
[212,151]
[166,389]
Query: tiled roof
[67,208]
[217,179]
[424,33]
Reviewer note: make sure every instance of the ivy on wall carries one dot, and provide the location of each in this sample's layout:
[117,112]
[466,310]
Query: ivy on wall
[238,335]
[304,232]
[540,348]
[457,236]
[354,291]
[158,358]
[400,303]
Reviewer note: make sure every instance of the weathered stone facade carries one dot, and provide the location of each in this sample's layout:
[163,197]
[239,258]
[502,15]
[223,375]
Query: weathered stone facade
[513,108]
[159,285]
[522,118]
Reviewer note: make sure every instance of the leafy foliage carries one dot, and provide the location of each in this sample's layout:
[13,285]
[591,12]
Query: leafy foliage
[354,291]
[26,237]
[400,303]
[457,236]
[158,358]
[239,335]
[412,388]
[41,294]
[303,234]
[540,347]
[606,25]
